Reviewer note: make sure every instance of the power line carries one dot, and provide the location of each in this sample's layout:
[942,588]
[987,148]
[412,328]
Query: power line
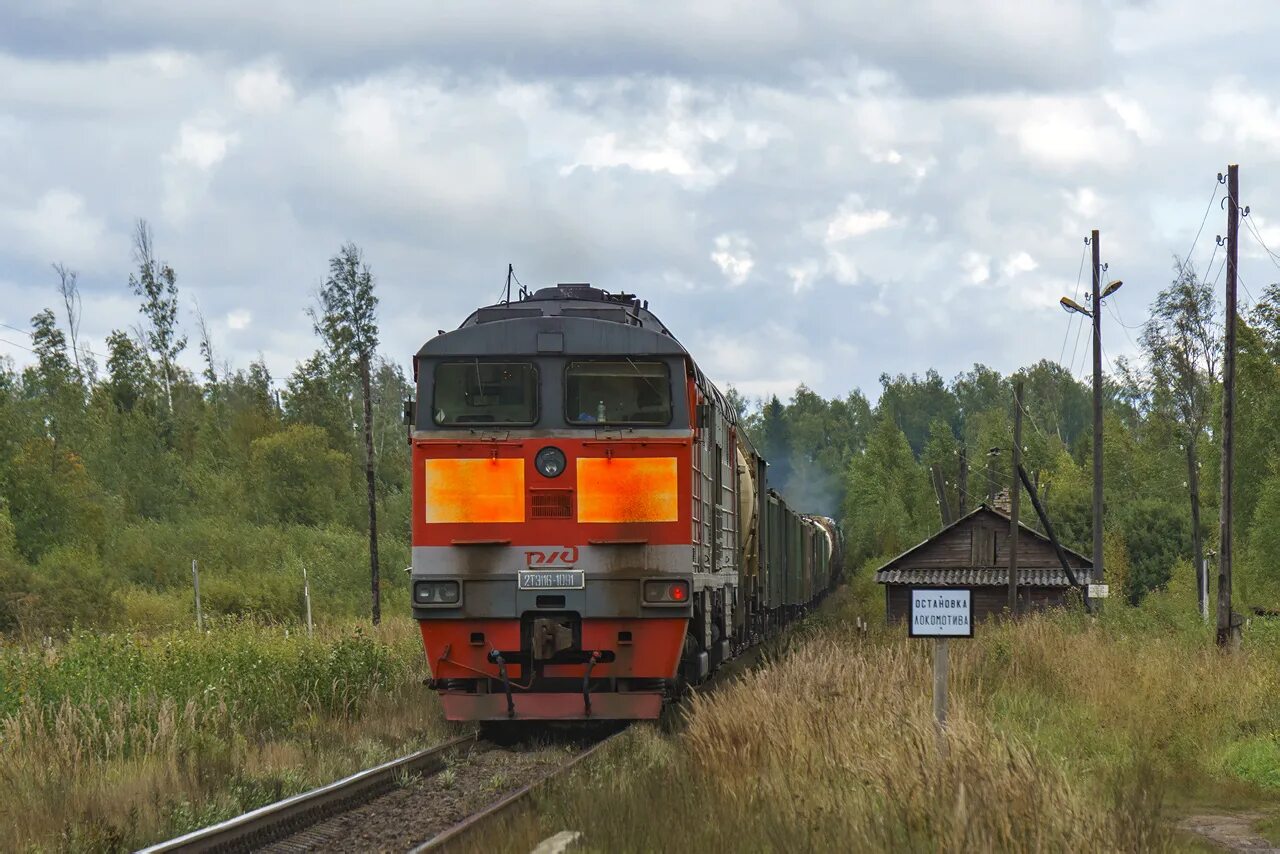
[16,344]
[1076,296]
[1203,220]
[30,334]
[1076,347]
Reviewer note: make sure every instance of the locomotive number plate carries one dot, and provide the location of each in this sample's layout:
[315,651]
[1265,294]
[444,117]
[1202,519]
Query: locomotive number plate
[552,579]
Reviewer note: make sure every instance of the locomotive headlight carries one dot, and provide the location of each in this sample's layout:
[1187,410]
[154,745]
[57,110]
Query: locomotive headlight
[550,462]
[435,592]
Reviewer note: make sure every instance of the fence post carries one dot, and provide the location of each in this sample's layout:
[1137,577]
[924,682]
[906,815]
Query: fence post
[306,595]
[195,581]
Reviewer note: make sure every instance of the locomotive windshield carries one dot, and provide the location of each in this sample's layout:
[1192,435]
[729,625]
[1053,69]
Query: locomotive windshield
[612,392]
[478,392]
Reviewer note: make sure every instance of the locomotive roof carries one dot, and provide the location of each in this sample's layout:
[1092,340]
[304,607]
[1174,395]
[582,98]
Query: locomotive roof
[574,300]
[587,319]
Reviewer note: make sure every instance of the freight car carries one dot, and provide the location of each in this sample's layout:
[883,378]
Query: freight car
[592,529]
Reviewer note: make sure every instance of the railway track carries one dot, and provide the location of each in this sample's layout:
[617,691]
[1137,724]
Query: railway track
[430,800]
[420,802]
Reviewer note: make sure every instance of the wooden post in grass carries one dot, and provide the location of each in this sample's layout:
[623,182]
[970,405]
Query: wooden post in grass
[941,661]
[306,595]
[941,614]
[195,581]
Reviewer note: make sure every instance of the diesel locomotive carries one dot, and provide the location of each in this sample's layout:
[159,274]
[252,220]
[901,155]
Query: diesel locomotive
[592,530]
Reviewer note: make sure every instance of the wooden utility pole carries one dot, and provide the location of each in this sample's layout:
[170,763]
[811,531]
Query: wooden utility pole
[1015,496]
[964,481]
[1227,625]
[1197,545]
[940,490]
[1096,308]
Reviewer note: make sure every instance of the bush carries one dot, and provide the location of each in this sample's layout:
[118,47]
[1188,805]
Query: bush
[297,479]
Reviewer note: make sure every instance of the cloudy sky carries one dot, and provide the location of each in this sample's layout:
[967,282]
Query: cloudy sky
[812,192]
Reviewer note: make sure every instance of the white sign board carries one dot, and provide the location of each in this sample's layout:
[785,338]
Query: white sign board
[941,614]
[1099,591]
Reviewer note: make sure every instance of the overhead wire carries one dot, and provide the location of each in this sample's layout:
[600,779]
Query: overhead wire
[1203,220]
[30,334]
[16,344]
[1076,296]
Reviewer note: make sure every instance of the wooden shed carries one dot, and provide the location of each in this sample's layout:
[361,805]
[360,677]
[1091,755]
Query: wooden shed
[973,553]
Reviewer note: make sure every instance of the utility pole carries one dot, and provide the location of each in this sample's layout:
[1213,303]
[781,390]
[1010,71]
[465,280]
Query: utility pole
[1097,407]
[1015,496]
[964,481]
[1197,546]
[1227,624]
[940,490]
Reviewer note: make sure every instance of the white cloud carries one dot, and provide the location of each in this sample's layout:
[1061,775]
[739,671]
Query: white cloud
[976,267]
[1241,115]
[58,227]
[261,89]
[853,219]
[1018,262]
[201,145]
[732,254]
[239,319]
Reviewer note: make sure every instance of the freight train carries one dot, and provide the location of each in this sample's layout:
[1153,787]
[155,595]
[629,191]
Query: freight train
[593,531]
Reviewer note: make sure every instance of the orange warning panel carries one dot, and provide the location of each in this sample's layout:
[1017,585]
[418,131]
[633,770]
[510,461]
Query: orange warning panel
[474,490]
[629,489]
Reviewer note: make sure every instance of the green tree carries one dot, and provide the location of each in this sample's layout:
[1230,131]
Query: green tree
[887,504]
[1183,348]
[346,320]
[128,372]
[51,499]
[157,284]
[777,444]
[296,479]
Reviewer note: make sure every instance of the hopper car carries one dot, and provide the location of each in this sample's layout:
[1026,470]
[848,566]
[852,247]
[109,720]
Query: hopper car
[593,531]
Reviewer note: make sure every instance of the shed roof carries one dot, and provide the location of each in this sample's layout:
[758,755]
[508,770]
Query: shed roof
[985,577]
[968,576]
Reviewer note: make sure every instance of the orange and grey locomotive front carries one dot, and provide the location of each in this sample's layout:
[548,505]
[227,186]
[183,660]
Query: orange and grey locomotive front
[553,463]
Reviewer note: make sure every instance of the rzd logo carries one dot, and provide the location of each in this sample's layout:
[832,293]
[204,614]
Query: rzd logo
[566,556]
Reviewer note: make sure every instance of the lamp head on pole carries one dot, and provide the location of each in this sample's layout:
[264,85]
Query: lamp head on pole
[1071,305]
[1111,288]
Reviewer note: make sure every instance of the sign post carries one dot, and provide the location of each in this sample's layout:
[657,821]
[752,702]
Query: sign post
[941,614]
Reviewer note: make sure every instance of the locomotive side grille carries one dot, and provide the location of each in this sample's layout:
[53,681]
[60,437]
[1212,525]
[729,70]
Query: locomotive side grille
[553,504]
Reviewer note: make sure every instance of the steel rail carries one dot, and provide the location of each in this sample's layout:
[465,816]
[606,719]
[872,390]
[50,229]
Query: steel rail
[473,821]
[281,818]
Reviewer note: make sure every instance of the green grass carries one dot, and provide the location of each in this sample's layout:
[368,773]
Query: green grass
[1065,733]
[111,741]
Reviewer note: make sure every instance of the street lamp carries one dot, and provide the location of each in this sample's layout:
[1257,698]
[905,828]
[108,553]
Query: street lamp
[1094,312]
[1071,305]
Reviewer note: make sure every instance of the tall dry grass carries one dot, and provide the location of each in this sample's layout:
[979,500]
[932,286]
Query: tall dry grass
[189,729]
[1065,733]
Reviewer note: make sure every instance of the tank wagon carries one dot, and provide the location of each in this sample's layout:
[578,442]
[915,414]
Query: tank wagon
[592,530]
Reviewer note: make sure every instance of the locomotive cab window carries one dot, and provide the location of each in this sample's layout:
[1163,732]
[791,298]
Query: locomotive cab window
[478,392]
[618,392]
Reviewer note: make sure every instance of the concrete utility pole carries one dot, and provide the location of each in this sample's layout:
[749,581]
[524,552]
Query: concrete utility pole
[1228,626]
[1097,408]
[1014,498]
